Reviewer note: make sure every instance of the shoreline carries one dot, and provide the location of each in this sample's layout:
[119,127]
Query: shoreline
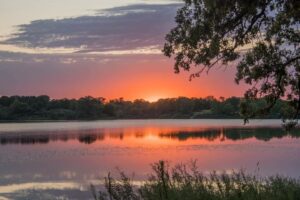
[124,119]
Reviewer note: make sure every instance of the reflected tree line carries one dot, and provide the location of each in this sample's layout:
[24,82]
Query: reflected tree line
[220,134]
[234,134]
[89,108]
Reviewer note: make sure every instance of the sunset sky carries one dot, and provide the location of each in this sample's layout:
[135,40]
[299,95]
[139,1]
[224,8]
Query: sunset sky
[107,48]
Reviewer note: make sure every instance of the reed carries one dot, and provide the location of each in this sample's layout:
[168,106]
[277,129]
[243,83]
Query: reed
[187,182]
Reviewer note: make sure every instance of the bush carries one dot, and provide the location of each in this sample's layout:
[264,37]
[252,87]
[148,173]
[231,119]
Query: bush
[186,182]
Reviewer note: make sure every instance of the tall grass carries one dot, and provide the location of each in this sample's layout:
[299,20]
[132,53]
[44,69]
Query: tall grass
[186,182]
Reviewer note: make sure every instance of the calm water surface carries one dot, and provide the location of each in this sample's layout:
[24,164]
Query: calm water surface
[59,160]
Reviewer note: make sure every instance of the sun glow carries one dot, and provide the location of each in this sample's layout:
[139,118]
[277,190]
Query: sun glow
[154,98]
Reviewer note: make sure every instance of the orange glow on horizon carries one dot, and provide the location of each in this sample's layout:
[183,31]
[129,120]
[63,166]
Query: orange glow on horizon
[154,98]
[149,79]
[156,81]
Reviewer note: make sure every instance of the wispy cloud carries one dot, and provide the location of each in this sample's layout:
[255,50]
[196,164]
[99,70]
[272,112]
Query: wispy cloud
[118,30]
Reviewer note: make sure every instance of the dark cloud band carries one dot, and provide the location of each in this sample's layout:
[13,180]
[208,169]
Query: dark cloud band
[121,28]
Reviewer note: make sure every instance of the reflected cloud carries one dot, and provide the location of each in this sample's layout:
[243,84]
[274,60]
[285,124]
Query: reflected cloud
[10,176]
[67,175]
[39,186]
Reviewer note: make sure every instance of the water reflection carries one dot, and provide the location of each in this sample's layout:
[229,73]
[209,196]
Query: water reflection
[60,160]
[234,134]
[91,136]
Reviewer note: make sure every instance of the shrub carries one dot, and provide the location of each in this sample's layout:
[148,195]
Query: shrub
[186,182]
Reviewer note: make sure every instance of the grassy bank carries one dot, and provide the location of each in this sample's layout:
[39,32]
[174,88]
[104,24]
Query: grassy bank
[186,182]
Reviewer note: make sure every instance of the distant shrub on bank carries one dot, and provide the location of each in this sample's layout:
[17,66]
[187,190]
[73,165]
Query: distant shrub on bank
[186,182]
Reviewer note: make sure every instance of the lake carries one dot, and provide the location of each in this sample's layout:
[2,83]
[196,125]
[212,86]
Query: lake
[59,160]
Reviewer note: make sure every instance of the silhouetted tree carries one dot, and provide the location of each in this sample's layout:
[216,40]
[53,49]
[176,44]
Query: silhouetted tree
[261,37]
[89,107]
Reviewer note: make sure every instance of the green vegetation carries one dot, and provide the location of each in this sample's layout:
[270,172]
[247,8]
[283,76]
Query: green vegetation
[260,37]
[184,182]
[89,108]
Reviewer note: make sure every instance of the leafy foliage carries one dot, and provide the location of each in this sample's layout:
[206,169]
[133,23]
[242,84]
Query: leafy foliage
[260,37]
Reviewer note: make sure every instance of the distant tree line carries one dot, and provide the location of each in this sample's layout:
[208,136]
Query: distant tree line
[90,108]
